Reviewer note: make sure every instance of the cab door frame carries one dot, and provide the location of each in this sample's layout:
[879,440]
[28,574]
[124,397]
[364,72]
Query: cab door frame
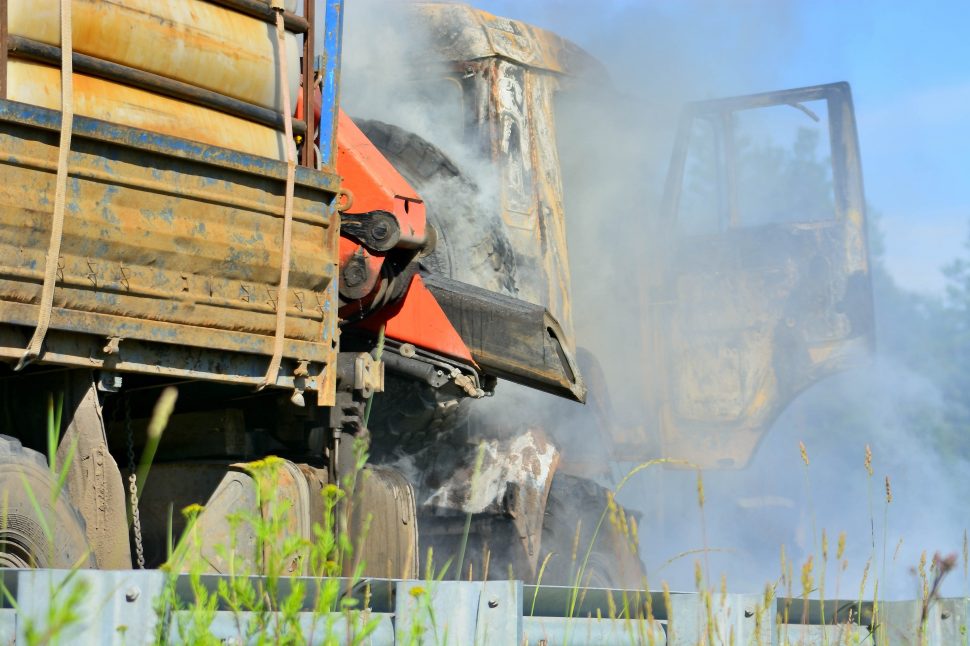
[786,356]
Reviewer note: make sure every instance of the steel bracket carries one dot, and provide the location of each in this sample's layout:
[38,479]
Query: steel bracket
[368,375]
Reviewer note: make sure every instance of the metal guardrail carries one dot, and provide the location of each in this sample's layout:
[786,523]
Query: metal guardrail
[121,607]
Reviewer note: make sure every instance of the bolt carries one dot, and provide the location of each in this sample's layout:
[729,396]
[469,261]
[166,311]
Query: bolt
[379,232]
[131,594]
[407,350]
[353,276]
[749,613]
[493,603]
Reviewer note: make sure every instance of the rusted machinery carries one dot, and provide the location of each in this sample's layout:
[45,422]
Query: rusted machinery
[192,218]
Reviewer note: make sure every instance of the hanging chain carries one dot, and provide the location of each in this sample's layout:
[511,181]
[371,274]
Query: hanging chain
[133,488]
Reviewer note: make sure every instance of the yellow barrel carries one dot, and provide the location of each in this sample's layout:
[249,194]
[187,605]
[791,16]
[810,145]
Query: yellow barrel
[39,84]
[192,41]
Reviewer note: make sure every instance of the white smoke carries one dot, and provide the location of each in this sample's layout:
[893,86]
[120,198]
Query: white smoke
[614,163]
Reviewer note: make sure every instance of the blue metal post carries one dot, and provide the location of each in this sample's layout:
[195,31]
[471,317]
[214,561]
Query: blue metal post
[332,40]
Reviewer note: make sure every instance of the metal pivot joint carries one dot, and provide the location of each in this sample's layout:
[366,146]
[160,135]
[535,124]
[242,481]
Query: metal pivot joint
[377,231]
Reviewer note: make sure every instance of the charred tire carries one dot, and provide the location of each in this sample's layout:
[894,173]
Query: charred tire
[24,542]
[578,503]
[473,246]
[416,416]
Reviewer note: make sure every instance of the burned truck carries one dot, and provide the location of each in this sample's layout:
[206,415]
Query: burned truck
[204,217]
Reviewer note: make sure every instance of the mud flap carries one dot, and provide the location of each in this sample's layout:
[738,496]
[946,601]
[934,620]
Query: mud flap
[230,497]
[383,526]
[382,517]
[94,482]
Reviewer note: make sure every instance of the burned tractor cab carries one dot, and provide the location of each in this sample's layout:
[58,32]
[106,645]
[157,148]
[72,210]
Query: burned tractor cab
[751,284]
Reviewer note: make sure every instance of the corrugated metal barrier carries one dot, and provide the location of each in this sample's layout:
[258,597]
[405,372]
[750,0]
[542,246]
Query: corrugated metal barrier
[124,607]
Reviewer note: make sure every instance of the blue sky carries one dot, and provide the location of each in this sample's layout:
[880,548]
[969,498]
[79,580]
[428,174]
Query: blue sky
[908,63]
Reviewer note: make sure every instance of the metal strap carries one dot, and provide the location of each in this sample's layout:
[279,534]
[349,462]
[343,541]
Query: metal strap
[281,302]
[60,189]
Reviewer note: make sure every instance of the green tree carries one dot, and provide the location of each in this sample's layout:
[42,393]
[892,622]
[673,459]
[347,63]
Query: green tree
[954,367]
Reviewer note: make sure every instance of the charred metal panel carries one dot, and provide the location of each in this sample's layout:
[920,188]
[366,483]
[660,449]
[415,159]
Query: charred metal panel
[506,477]
[514,146]
[510,73]
[759,299]
[512,110]
[167,242]
[550,205]
[751,322]
[510,338]
[463,33]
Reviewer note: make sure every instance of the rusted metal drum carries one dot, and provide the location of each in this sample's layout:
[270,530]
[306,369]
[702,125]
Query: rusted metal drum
[192,41]
[39,84]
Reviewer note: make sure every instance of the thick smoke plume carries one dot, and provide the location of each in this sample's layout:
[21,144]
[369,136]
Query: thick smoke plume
[615,144]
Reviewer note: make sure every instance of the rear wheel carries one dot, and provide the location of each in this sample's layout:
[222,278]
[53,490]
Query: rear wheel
[473,246]
[34,531]
[575,505]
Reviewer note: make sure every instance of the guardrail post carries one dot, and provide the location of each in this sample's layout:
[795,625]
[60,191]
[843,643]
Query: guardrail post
[897,622]
[946,623]
[8,626]
[113,607]
[954,620]
[457,613]
[731,619]
[500,613]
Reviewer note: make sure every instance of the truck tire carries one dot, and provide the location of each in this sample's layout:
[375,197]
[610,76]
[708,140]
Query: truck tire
[24,542]
[473,246]
[576,502]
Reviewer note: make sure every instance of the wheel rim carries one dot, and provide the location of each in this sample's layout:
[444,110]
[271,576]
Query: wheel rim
[16,551]
[23,543]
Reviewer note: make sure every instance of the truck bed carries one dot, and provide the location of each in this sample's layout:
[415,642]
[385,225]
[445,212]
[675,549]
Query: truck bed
[170,246]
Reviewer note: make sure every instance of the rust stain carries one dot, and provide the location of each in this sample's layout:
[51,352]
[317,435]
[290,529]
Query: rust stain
[39,84]
[219,49]
[160,249]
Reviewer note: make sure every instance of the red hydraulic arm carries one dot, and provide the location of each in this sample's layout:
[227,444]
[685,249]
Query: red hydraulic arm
[383,230]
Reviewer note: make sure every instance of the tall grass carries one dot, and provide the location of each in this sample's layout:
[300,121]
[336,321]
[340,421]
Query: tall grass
[274,606]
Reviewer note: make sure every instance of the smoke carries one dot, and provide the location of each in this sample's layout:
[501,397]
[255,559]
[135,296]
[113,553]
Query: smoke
[779,500]
[615,143]
[390,74]
[659,57]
